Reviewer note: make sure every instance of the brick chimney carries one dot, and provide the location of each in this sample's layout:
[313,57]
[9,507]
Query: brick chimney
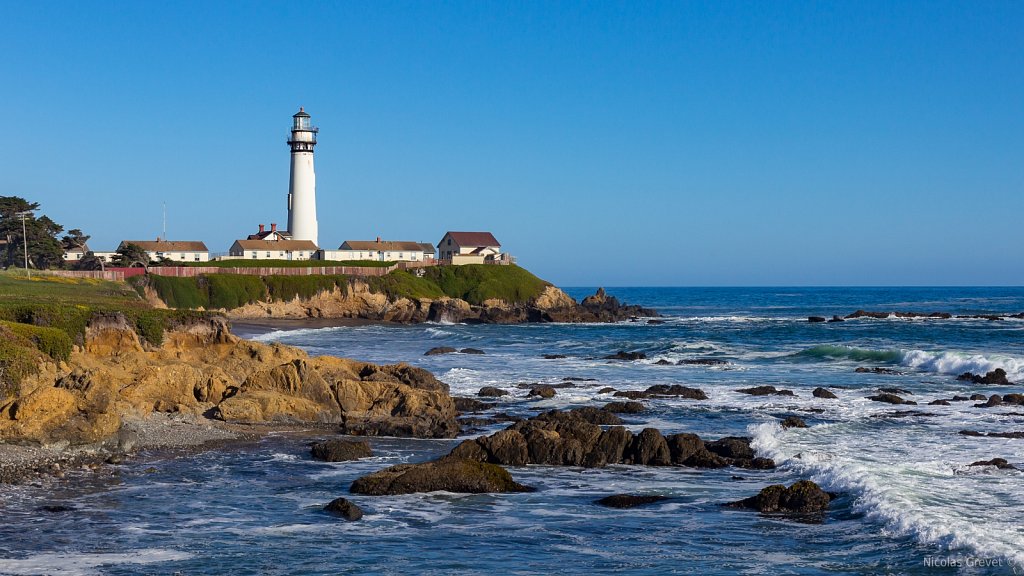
[273,227]
[261,228]
[378,239]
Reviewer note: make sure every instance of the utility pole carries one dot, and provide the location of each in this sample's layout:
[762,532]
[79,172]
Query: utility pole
[24,237]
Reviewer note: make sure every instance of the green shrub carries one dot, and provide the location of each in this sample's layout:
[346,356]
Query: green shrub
[403,284]
[233,290]
[50,341]
[176,292]
[18,358]
[476,283]
[285,288]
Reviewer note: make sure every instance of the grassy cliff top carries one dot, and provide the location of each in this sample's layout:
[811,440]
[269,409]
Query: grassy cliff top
[472,283]
[241,263]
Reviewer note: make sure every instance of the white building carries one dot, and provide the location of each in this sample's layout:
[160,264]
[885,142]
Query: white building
[381,251]
[175,250]
[75,254]
[471,248]
[302,223]
[273,249]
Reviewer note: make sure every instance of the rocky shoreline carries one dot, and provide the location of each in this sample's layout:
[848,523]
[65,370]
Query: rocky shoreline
[357,303]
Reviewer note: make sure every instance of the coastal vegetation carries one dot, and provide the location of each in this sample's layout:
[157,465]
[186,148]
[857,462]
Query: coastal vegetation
[45,316]
[241,263]
[475,284]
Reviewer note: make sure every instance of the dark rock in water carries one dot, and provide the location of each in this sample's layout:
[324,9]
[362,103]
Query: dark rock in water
[532,385]
[628,500]
[464,405]
[959,399]
[889,399]
[895,391]
[992,434]
[589,414]
[994,400]
[939,403]
[883,315]
[631,394]
[655,322]
[492,392]
[1017,399]
[55,508]
[628,356]
[732,447]
[1000,463]
[677,390]
[344,508]
[815,318]
[794,422]
[440,350]
[609,448]
[823,393]
[471,351]
[803,497]
[754,463]
[684,446]
[836,319]
[578,379]
[449,474]
[649,448]
[662,362]
[624,407]
[606,390]
[601,307]
[878,370]
[702,362]
[554,356]
[978,397]
[115,459]
[703,458]
[341,450]
[997,376]
[543,392]
[765,391]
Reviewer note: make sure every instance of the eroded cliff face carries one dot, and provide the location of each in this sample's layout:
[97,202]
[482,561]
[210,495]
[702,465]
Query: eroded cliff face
[202,369]
[357,301]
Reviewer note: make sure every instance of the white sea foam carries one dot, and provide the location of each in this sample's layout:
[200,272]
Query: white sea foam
[959,362]
[916,493]
[86,564]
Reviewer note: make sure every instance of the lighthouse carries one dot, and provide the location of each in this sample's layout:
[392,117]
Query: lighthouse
[302,184]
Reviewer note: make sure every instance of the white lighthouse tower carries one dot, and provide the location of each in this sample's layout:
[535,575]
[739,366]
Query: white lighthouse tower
[302,185]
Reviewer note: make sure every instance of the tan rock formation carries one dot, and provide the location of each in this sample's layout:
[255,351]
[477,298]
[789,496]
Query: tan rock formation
[201,368]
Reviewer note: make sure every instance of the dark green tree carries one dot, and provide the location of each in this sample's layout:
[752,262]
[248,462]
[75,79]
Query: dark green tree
[44,250]
[90,262]
[131,255]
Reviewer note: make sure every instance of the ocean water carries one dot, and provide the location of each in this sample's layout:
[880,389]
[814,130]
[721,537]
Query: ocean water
[908,503]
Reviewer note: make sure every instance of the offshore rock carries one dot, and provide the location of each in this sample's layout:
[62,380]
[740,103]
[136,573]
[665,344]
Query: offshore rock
[628,500]
[341,450]
[997,376]
[823,393]
[765,391]
[573,438]
[344,508]
[802,498]
[449,474]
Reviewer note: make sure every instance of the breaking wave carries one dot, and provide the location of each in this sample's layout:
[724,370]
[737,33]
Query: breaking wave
[944,362]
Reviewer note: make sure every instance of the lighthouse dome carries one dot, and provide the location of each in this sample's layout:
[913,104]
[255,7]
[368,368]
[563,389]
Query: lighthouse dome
[301,113]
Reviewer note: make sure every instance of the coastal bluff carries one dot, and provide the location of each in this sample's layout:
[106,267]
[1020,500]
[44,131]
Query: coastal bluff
[459,294]
[357,301]
[201,369]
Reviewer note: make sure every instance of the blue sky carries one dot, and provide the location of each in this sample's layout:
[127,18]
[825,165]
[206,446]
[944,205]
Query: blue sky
[780,143]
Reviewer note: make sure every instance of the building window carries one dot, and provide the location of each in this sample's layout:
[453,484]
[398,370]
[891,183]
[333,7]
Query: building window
[268,254]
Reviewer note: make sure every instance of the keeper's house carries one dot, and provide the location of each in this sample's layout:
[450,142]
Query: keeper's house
[381,251]
[471,248]
[176,250]
[273,249]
